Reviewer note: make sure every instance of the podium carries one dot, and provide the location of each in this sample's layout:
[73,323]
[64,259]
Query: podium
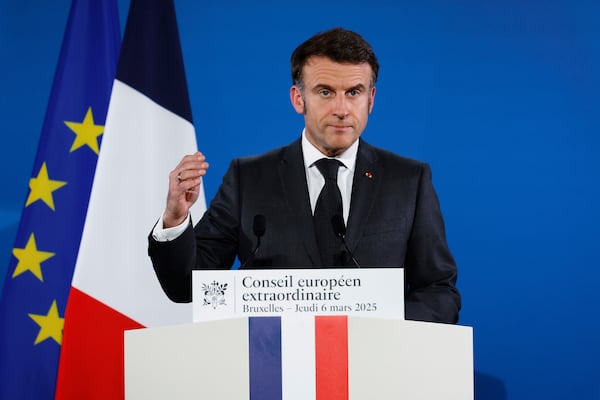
[385,359]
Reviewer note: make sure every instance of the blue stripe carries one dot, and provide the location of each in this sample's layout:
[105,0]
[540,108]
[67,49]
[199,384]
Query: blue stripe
[155,69]
[265,358]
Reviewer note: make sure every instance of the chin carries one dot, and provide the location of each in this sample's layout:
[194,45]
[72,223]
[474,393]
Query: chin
[337,149]
[343,144]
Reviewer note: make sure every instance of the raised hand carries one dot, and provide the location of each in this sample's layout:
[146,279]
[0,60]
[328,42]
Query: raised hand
[184,188]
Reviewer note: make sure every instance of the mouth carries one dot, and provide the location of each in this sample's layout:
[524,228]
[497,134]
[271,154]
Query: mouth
[339,127]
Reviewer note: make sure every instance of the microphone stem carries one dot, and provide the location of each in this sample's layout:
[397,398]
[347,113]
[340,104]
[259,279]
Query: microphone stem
[356,264]
[253,254]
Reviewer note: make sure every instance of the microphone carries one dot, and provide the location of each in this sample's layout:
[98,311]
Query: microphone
[259,225]
[339,228]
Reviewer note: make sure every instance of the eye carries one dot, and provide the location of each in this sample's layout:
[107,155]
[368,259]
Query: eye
[324,93]
[353,93]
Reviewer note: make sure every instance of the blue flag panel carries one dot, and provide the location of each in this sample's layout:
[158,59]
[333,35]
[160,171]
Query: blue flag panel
[155,69]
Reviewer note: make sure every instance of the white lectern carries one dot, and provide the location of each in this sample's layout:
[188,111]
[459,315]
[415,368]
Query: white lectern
[386,359]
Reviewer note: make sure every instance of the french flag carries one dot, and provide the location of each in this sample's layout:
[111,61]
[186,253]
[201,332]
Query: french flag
[148,130]
[315,358]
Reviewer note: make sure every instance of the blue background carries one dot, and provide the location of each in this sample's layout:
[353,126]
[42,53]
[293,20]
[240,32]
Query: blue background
[500,97]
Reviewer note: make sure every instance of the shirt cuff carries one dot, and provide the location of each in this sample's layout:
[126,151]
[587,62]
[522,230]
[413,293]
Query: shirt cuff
[162,234]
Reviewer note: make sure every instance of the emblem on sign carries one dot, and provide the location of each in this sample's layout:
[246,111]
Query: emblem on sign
[214,294]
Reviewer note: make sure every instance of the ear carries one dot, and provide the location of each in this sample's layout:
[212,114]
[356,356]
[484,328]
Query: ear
[296,99]
[371,99]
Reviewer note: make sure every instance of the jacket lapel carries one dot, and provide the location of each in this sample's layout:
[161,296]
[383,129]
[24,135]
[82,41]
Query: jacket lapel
[295,188]
[368,176]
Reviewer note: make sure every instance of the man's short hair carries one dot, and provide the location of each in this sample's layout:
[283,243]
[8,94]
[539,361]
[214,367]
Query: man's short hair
[339,45]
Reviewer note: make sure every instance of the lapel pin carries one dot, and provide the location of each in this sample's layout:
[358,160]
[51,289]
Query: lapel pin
[368,175]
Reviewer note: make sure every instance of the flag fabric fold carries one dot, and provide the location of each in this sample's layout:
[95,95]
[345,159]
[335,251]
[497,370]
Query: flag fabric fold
[39,275]
[148,130]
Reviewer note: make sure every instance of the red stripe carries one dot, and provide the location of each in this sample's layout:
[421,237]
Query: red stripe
[331,347]
[91,359]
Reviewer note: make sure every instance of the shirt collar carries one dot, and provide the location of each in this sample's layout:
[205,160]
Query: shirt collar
[312,154]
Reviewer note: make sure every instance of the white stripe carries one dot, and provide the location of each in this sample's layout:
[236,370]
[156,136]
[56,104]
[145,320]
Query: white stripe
[142,143]
[298,357]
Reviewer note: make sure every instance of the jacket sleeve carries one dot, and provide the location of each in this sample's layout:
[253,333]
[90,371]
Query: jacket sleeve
[173,262]
[431,272]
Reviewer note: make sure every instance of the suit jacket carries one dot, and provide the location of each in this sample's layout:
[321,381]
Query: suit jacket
[394,221]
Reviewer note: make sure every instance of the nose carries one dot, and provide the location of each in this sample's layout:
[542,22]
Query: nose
[340,109]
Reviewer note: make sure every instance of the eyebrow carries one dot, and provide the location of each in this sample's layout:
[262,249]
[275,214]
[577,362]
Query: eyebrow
[359,87]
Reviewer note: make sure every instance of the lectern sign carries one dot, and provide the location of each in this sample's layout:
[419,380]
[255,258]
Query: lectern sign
[377,292]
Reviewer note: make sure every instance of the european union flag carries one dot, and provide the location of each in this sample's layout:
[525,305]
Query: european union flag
[43,258]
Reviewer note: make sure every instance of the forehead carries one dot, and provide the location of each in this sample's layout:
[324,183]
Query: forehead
[320,70]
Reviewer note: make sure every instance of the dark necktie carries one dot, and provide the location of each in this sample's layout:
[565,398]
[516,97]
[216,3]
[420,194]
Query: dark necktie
[328,205]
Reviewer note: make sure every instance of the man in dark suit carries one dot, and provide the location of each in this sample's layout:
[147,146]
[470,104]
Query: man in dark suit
[387,202]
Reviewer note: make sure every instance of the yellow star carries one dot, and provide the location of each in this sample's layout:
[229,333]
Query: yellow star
[51,325]
[42,188]
[86,132]
[30,259]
